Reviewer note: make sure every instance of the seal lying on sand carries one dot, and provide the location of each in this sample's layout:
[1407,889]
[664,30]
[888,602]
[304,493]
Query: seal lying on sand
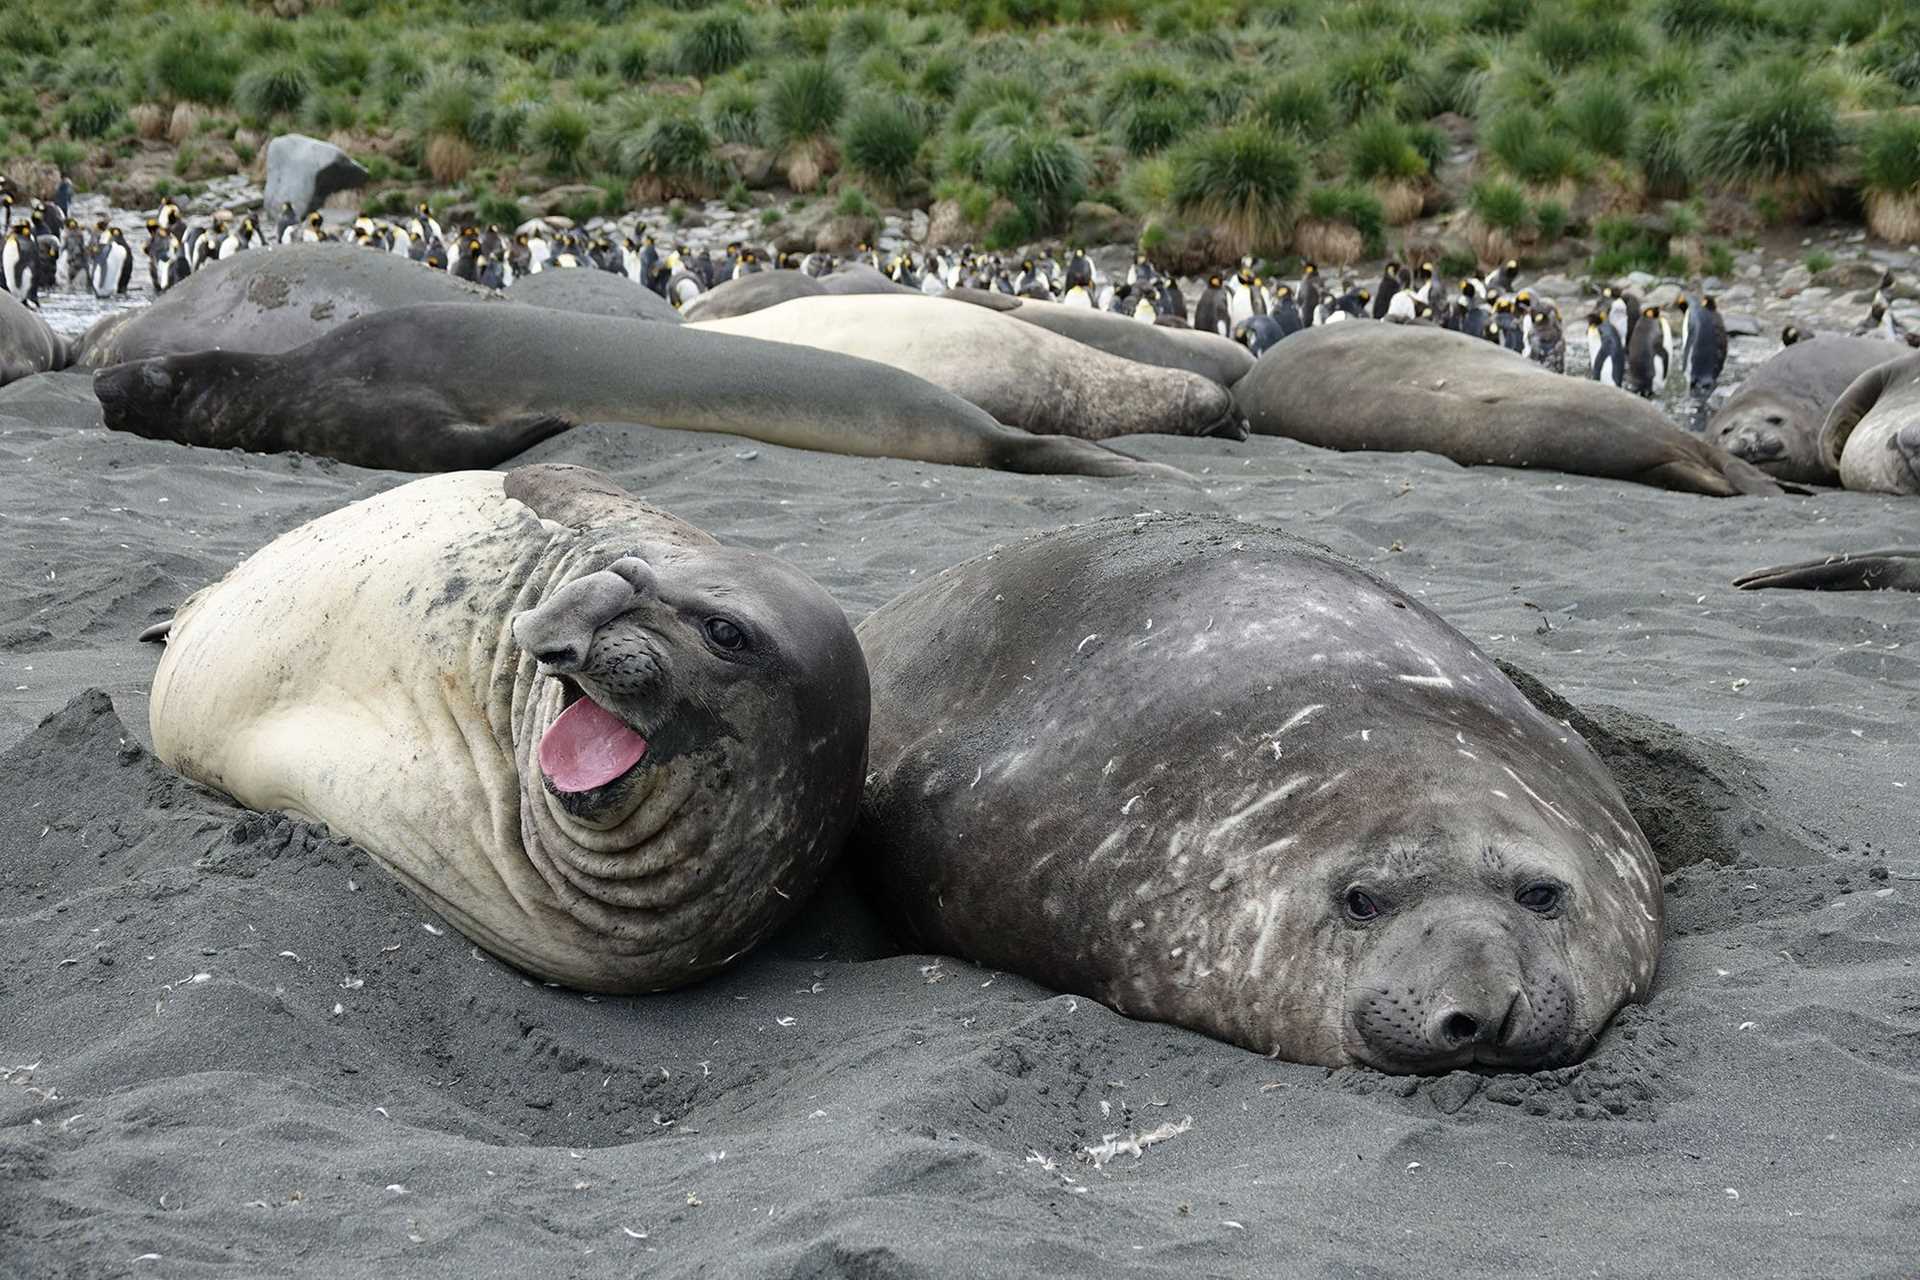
[1207,354]
[1405,387]
[1848,571]
[27,345]
[594,293]
[611,750]
[1774,419]
[1023,375]
[268,302]
[764,289]
[1872,434]
[1213,775]
[450,386]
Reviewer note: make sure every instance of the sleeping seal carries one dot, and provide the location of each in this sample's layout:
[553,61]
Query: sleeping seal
[450,386]
[1206,354]
[1216,776]
[609,749]
[1774,419]
[1023,375]
[268,302]
[1872,434]
[594,293]
[1408,387]
[27,345]
[1848,571]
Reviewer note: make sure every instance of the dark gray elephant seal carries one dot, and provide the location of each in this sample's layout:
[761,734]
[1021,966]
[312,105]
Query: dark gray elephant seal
[1024,376]
[1406,387]
[751,293]
[445,387]
[590,293]
[1872,434]
[1848,571]
[1207,354]
[1774,419]
[27,345]
[611,750]
[850,278]
[1213,775]
[269,301]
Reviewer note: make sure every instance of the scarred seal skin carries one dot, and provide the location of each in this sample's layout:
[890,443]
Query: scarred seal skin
[1213,775]
[611,750]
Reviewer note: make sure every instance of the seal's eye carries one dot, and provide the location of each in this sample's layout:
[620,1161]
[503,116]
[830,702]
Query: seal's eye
[725,635]
[1540,896]
[1361,906]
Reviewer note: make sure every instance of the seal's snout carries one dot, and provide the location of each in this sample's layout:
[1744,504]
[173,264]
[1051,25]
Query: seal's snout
[1756,446]
[559,631]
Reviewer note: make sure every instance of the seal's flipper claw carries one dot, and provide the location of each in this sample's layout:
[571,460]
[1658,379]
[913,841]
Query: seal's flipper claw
[157,633]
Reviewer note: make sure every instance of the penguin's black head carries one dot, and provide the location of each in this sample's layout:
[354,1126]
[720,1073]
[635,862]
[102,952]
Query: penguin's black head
[1708,302]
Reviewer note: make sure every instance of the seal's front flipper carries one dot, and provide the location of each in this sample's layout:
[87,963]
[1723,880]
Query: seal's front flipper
[1868,571]
[157,633]
[473,446]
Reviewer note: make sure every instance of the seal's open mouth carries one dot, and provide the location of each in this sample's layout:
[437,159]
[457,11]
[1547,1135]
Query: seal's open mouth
[588,747]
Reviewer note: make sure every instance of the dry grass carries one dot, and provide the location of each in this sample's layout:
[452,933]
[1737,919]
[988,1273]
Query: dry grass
[811,163]
[181,124]
[1894,217]
[1401,199]
[1491,244]
[448,158]
[1330,244]
[150,120]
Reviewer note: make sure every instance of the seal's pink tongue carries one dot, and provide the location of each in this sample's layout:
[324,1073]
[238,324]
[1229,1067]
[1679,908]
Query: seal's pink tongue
[588,747]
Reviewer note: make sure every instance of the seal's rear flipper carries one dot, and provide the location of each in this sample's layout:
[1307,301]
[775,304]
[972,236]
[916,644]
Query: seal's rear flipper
[157,633]
[1868,571]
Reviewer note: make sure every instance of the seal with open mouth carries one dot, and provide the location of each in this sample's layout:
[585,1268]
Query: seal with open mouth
[611,750]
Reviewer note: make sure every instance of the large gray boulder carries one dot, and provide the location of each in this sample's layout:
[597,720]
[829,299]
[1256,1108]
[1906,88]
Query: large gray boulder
[304,171]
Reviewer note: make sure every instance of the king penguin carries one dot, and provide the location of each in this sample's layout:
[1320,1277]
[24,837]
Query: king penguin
[1212,314]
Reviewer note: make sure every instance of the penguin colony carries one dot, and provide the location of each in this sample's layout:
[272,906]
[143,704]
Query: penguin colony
[1629,345]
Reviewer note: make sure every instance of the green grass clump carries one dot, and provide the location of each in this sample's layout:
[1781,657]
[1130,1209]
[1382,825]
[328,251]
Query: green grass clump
[1297,105]
[1658,151]
[495,210]
[858,32]
[398,71]
[187,62]
[1719,261]
[942,75]
[1244,180]
[1672,76]
[327,111]
[1890,156]
[804,103]
[1496,17]
[1766,127]
[1354,206]
[1701,20]
[92,115]
[1599,115]
[1147,105]
[558,134]
[1591,35]
[449,106]
[276,87]
[1817,261]
[880,140]
[1552,218]
[1894,52]
[1366,78]
[733,113]
[1035,166]
[1498,204]
[1381,149]
[1525,144]
[673,150]
[853,203]
[712,43]
[1627,245]
[336,54]
[634,58]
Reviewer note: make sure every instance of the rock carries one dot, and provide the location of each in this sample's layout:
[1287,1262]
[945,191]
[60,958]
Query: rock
[1793,280]
[754,165]
[1094,223]
[1849,275]
[565,197]
[305,171]
[845,233]
[917,226]
[947,225]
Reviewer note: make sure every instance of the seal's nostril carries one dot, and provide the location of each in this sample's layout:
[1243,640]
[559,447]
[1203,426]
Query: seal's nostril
[1459,1028]
[561,658]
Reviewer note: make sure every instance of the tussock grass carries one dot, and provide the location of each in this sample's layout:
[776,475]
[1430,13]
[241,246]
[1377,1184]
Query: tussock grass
[880,140]
[278,86]
[1767,128]
[1244,181]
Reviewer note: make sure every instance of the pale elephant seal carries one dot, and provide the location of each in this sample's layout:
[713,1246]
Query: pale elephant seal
[590,292]
[1848,571]
[1409,388]
[1872,434]
[1213,775]
[1774,419]
[1023,375]
[27,345]
[445,387]
[611,750]
[1207,354]
[269,302]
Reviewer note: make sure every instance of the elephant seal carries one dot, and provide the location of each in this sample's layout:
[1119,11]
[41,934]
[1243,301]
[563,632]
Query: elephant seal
[1848,571]
[27,345]
[1774,419]
[590,293]
[1213,775]
[448,386]
[269,302]
[1023,375]
[1872,433]
[1207,354]
[611,750]
[762,289]
[1410,387]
